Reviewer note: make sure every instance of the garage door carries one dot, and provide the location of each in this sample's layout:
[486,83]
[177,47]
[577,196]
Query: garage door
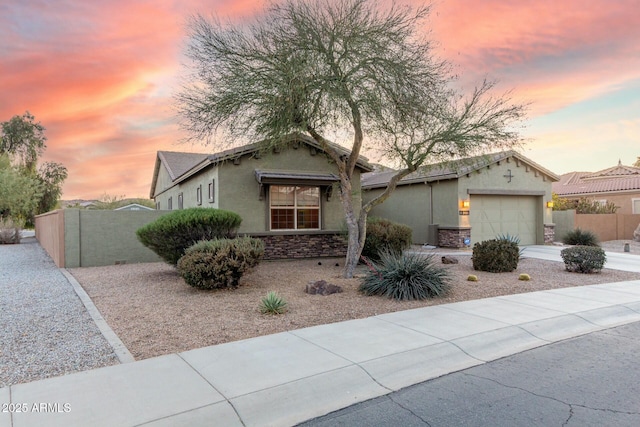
[490,216]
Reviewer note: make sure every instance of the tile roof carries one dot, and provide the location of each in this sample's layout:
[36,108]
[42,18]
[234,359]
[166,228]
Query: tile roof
[614,179]
[449,170]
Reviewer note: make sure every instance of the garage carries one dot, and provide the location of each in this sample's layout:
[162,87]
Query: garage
[490,216]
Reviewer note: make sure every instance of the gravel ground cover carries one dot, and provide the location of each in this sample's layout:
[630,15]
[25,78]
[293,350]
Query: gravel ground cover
[154,312]
[46,330]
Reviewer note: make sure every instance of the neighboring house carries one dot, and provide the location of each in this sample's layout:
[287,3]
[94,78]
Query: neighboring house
[133,207]
[619,185]
[457,204]
[288,197]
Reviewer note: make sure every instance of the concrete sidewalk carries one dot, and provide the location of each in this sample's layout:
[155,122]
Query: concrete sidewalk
[290,377]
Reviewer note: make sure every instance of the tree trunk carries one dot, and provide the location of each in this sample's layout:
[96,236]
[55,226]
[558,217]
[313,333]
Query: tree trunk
[356,227]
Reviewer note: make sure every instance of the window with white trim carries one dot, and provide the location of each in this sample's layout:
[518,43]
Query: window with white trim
[180,201]
[294,207]
[199,195]
[212,191]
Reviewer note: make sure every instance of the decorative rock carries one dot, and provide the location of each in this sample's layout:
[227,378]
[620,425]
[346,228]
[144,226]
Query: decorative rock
[636,234]
[449,260]
[321,287]
[472,278]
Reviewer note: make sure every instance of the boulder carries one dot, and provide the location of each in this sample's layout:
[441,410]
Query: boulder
[321,287]
[449,260]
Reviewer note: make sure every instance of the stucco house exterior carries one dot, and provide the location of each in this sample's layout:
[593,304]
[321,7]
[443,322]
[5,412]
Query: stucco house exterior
[460,203]
[619,185]
[288,197]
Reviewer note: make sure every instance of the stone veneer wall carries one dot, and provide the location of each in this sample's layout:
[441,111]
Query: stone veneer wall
[549,233]
[283,246]
[453,237]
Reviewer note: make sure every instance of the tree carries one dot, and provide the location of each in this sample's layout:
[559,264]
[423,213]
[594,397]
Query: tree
[23,139]
[346,68]
[22,142]
[51,175]
[19,193]
[637,163]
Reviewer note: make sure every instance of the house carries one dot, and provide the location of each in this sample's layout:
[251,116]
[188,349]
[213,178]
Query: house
[459,203]
[133,207]
[288,196]
[619,185]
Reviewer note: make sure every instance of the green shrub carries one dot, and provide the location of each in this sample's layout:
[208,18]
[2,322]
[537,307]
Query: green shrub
[581,237]
[384,234]
[472,278]
[273,304]
[524,276]
[217,264]
[496,255]
[583,259]
[171,234]
[405,277]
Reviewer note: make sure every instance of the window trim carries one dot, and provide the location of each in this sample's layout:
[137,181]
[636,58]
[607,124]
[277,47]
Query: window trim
[170,203]
[199,195]
[212,191]
[180,201]
[295,208]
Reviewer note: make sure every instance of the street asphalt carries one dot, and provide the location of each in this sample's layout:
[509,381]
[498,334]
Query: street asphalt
[592,380]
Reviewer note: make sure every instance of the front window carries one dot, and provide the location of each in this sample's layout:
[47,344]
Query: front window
[294,207]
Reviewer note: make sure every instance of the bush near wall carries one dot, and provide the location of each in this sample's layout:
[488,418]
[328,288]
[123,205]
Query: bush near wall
[218,264]
[383,234]
[496,255]
[171,234]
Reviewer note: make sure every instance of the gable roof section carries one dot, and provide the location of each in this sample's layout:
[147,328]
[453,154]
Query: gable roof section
[451,170]
[619,178]
[183,165]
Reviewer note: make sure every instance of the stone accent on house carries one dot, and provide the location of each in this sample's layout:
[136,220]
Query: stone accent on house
[549,233]
[453,237]
[313,245]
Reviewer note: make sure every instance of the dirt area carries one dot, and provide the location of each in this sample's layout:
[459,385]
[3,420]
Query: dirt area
[154,312]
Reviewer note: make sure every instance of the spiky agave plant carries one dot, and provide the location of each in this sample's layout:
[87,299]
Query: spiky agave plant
[273,304]
[406,277]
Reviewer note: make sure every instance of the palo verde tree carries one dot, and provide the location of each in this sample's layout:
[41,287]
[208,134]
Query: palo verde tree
[357,70]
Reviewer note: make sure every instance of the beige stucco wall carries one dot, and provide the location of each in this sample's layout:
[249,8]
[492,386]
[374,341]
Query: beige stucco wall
[50,235]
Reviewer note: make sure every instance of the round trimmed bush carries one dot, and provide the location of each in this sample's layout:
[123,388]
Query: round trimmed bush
[580,237]
[584,259]
[171,234]
[406,277]
[383,234]
[217,264]
[496,255]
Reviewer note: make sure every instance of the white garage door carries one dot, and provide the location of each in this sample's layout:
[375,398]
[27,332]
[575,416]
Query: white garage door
[490,216]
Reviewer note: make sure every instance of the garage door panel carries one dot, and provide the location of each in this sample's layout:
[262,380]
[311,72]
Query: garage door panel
[491,216]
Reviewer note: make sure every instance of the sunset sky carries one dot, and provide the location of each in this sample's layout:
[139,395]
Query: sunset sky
[100,75]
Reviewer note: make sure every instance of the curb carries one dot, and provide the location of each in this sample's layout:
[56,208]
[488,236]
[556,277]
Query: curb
[124,356]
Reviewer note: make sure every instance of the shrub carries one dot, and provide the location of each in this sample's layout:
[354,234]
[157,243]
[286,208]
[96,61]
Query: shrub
[496,255]
[406,277]
[583,259]
[384,234]
[273,304]
[580,237]
[217,264]
[171,234]
[472,278]
[9,231]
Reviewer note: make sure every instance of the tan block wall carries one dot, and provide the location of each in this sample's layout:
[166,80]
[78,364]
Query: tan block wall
[50,234]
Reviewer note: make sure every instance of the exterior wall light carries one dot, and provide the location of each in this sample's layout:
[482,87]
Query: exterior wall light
[550,204]
[464,203]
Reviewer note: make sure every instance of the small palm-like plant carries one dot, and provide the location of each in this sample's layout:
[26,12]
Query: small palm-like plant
[580,237]
[273,304]
[406,277]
